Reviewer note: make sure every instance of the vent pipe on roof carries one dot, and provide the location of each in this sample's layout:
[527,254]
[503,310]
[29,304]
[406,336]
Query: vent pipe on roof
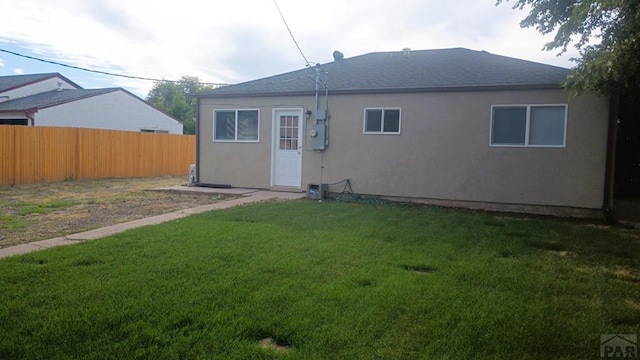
[337,55]
[59,86]
[406,52]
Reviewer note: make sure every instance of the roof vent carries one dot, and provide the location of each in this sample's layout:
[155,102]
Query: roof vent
[406,52]
[59,86]
[337,55]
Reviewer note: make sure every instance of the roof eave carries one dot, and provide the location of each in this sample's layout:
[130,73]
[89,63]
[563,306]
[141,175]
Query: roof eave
[45,105]
[432,89]
[46,76]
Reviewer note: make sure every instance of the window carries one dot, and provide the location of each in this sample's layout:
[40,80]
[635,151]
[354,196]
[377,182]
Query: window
[154,131]
[236,125]
[14,122]
[382,121]
[528,125]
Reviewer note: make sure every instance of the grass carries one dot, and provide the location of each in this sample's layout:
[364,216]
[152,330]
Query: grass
[8,222]
[45,207]
[309,280]
[16,221]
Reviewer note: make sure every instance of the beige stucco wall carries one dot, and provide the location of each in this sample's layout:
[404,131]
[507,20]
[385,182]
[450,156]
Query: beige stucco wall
[246,164]
[443,151]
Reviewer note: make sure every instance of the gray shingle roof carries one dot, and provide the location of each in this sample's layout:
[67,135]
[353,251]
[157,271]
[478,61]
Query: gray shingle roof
[51,98]
[417,71]
[15,81]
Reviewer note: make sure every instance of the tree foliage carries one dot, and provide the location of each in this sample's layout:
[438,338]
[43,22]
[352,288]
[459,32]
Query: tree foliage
[606,34]
[173,98]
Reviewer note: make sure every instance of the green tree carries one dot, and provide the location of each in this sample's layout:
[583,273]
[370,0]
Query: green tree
[606,34]
[173,98]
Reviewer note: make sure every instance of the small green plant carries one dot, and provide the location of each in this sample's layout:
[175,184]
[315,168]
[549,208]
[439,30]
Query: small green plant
[43,208]
[11,222]
[217,197]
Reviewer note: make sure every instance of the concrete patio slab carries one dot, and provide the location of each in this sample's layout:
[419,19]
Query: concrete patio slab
[202,189]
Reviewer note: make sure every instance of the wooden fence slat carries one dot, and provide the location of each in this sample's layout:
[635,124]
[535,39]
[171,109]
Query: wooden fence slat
[45,154]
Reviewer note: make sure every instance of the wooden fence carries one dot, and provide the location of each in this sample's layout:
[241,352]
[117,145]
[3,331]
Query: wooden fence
[31,154]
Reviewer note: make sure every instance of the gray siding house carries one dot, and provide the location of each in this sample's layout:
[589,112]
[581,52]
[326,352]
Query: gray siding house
[452,127]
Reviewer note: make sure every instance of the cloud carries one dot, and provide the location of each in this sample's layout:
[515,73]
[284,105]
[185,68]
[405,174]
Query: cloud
[116,17]
[236,41]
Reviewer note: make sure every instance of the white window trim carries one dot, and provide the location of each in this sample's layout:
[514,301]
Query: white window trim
[381,132]
[236,132]
[527,126]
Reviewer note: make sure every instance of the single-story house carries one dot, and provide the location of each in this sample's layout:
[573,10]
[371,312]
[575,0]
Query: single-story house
[452,127]
[53,100]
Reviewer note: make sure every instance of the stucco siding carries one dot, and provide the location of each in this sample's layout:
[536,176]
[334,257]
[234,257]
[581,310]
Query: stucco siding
[241,164]
[116,110]
[442,152]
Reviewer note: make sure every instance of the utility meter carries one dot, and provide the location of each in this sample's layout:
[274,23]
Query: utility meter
[318,136]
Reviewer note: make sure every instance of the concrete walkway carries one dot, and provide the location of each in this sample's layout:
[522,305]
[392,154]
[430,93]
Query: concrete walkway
[248,196]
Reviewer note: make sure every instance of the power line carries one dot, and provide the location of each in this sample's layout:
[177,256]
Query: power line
[102,72]
[290,33]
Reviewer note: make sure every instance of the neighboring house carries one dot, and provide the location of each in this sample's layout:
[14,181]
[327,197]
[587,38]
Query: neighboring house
[53,100]
[452,127]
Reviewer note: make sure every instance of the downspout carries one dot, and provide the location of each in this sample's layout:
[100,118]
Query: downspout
[326,95]
[30,114]
[610,165]
[317,70]
[197,134]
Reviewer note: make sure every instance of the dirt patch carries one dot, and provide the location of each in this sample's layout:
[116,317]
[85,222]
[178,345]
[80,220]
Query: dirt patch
[42,211]
[269,343]
[632,304]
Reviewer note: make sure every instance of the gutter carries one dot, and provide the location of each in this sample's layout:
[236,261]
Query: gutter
[610,164]
[433,89]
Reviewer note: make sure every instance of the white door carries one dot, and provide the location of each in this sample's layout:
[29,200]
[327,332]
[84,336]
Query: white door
[287,145]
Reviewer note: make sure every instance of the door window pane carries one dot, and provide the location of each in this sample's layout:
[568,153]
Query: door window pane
[288,132]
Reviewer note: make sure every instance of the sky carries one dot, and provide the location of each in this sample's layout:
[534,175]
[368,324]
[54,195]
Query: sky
[233,41]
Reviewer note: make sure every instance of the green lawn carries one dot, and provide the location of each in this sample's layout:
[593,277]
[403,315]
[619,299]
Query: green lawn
[327,281]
